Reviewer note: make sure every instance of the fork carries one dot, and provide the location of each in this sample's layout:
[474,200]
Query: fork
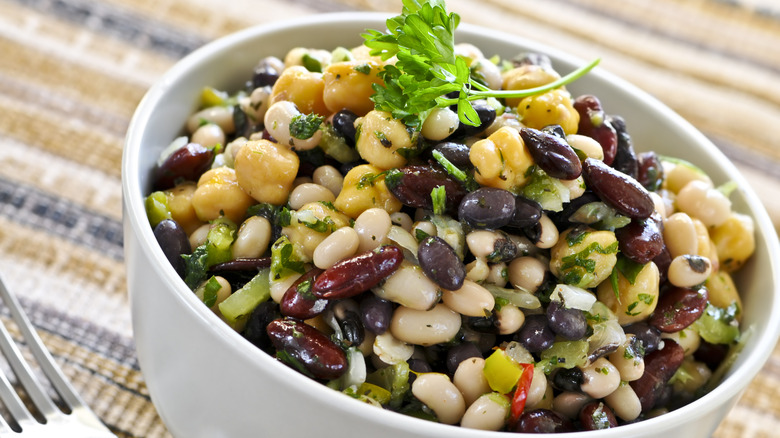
[81,422]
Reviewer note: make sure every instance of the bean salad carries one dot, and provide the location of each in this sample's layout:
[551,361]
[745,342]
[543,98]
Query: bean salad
[502,260]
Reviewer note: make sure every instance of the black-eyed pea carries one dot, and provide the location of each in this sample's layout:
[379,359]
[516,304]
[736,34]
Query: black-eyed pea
[700,199]
[735,241]
[569,404]
[209,135]
[477,270]
[305,193]
[471,299]
[723,292]
[549,236]
[680,235]
[587,145]
[509,319]
[328,176]
[199,236]
[252,238]
[687,338]
[257,103]
[440,124]
[221,116]
[364,187]
[689,270]
[409,287]
[624,403]
[437,392]
[629,363]
[381,137]
[349,85]
[214,291]
[470,379]
[635,301]
[526,273]
[220,194]
[301,87]
[341,244]
[290,127]
[266,170]
[425,327]
[540,394]
[402,220]
[677,176]
[488,412]
[497,275]
[372,227]
[600,378]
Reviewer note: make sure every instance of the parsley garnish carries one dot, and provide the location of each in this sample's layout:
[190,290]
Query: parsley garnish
[303,126]
[439,198]
[363,68]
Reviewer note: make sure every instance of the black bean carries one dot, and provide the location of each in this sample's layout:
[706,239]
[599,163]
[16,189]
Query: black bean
[487,207]
[617,189]
[455,153]
[568,379]
[418,366]
[459,353]
[344,124]
[375,313]
[543,421]
[535,334]
[265,74]
[569,324]
[625,157]
[174,243]
[552,154]
[440,263]
[483,324]
[352,327]
[645,335]
[641,240]
[254,331]
[486,113]
[184,164]
[527,213]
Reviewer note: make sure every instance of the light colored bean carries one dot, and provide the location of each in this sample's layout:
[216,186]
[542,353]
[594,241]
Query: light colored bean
[252,238]
[402,219]
[477,270]
[481,243]
[279,120]
[497,274]
[381,137]
[510,318]
[470,300]
[576,187]
[440,394]
[341,244]
[624,403]
[488,412]
[659,204]
[587,145]
[687,338]
[425,327]
[489,72]
[209,135]
[677,176]
[633,301]
[680,235]
[549,236]
[222,293]
[698,375]
[295,56]
[526,273]
[600,262]
[426,227]
[266,170]
[328,176]
[199,236]
[302,87]
[180,206]
[469,51]
[219,115]
[409,287]
[600,378]
[470,379]
[735,241]
[372,227]
[256,104]
[309,192]
[700,199]
[220,194]
[630,364]
[689,270]
[539,392]
[439,124]
[302,180]
[392,350]
[280,286]
[723,292]
[569,404]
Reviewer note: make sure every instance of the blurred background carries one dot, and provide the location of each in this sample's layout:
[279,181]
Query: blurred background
[73,71]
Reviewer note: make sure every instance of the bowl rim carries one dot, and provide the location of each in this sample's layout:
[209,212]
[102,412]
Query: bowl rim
[134,215]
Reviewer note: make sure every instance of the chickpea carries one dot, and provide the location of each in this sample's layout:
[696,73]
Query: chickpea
[735,241]
[554,107]
[364,188]
[301,87]
[348,85]
[180,206]
[311,224]
[501,160]
[219,193]
[636,300]
[723,292]
[584,257]
[525,77]
[380,139]
[266,170]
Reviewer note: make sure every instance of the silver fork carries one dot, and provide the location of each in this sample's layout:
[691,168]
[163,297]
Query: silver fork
[81,422]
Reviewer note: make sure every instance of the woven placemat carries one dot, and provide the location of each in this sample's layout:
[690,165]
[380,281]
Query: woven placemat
[73,71]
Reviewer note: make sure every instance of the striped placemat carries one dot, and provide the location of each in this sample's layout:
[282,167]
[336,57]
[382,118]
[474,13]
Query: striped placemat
[73,71]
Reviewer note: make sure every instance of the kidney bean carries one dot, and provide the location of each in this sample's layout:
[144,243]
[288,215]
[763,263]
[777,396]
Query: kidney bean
[487,208]
[240,265]
[625,157]
[650,171]
[641,240]
[535,335]
[174,242]
[299,302]
[344,124]
[527,213]
[459,353]
[663,260]
[647,335]
[185,164]
[456,153]
[354,275]
[440,263]
[711,354]
[552,153]
[678,308]
[376,313]
[412,185]
[595,124]
[596,415]
[308,348]
[259,319]
[617,189]
[660,366]
[543,421]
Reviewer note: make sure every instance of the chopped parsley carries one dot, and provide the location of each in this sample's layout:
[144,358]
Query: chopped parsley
[303,126]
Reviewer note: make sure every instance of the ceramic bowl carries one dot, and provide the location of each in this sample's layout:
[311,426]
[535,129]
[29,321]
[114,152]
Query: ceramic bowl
[207,381]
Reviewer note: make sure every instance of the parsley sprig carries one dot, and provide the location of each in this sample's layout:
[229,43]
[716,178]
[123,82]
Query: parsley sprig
[423,40]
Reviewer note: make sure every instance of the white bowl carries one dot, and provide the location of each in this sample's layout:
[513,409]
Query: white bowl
[207,381]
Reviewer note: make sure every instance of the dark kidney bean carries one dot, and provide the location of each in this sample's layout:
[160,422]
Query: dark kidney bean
[487,115]
[265,74]
[251,265]
[663,260]
[487,207]
[678,308]
[174,243]
[617,189]
[595,124]
[299,302]
[556,130]
[535,334]
[376,313]
[568,379]
[344,124]
[650,171]
[440,263]
[455,153]
[412,185]
[254,331]
[569,324]
[596,416]
[648,336]
[552,154]
[354,275]
[625,157]
[711,354]
[459,353]
[308,348]
[543,421]
[641,240]
[185,164]
[660,366]
[527,213]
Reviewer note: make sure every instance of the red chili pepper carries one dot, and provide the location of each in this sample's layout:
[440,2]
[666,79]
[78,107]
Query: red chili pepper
[521,393]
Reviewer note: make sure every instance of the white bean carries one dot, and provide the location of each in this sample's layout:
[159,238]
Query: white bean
[392,350]
[329,177]
[569,403]
[539,389]
[439,124]
[425,327]
[280,286]
[252,238]
[700,200]
[509,319]
[305,193]
[339,245]
[687,338]
[497,274]
[477,270]
[587,145]
[372,227]
[219,115]
[199,236]
[470,379]
[680,235]
[489,72]
[630,365]
[526,273]
[549,236]
[440,394]
[409,287]
[278,120]
[209,135]
[402,219]
[470,300]
[600,378]
[624,402]
[481,243]
[488,412]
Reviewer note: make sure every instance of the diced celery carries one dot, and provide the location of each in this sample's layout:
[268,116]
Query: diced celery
[565,354]
[220,239]
[239,305]
[395,379]
[336,147]
[717,326]
[157,208]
